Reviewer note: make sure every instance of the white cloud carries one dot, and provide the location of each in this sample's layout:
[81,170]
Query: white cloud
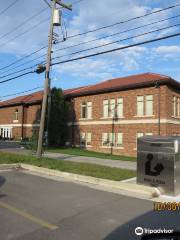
[168,52]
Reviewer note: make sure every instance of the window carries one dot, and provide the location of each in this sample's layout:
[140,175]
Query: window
[174,106]
[148,134]
[105,139]
[119,142]
[149,105]
[138,135]
[86,110]
[83,110]
[16,115]
[140,105]
[112,139]
[82,139]
[120,107]
[85,139]
[105,109]
[89,110]
[112,107]
[178,107]
[88,139]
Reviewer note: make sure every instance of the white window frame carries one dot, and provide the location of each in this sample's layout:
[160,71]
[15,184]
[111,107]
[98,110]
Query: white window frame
[88,139]
[174,106]
[105,139]
[140,105]
[89,110]
[112,139]
[178,107]
[149,105]
[82,139]
[106,108]
[112,108]
[87,107]
[119,139]
[120,107]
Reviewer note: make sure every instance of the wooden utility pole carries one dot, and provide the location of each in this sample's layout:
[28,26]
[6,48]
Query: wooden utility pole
[47,86]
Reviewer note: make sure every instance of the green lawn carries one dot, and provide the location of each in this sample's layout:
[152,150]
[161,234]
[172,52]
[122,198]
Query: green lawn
[72,167]
[83,152]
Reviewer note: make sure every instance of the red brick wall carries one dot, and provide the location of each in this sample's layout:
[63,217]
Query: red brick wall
[129,130]
[31,116]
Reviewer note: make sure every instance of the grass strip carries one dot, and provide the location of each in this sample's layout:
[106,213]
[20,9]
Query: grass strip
[87,153]
[86,169]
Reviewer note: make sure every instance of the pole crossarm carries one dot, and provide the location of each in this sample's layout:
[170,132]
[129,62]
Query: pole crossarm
[69,6]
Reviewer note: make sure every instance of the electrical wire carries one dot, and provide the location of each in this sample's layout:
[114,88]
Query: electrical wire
[101,53]
[49,5]
[75,2]
[24,22]
[38,50]
[27,56]
[92,48]
[14,94]
[27,31]
[10,79]
[122,22]
[118,41]
[8,7]
[90,41]
[117,49]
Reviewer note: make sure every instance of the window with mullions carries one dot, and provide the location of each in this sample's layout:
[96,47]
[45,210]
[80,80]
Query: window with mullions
[86,110]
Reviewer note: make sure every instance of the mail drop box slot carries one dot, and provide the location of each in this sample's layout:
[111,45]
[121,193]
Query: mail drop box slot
[158,162]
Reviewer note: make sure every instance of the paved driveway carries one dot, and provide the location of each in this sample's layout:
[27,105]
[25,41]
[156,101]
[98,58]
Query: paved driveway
[36,208]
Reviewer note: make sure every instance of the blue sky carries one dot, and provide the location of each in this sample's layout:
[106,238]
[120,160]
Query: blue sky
[160,57]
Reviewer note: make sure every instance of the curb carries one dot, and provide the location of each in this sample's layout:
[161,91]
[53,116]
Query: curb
[4,167]
[130,189]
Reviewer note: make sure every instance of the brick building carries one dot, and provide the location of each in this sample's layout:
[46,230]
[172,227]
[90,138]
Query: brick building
[20,116]
[111,115]
[105,117]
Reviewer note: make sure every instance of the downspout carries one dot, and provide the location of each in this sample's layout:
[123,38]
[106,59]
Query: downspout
[22,123]
[73,121]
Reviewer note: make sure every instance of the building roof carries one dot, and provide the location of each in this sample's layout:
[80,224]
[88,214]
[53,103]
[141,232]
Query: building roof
[130,82]
[117,84]
[26,99]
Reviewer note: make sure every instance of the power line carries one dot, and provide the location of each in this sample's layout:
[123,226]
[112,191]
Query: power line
[93,40]
[19,71]
[118,49]
[49,5]
[75,2]
[24,22]
[117,41]
[8,7]
[14,94]
[27,56]
[10,79]
[114,34]
[92,48]
[101,53]
[122,22]
[28,30]
[38,50]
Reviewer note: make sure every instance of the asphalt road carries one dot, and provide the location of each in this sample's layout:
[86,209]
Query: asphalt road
[7,144]
[36,208]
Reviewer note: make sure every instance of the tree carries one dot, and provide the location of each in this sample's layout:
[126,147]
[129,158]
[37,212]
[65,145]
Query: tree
[58,118]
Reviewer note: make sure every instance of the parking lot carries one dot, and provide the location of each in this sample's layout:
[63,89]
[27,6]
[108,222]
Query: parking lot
[38,208]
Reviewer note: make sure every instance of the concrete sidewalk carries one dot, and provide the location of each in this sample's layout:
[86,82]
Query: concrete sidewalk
[81,159]
[104,162]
